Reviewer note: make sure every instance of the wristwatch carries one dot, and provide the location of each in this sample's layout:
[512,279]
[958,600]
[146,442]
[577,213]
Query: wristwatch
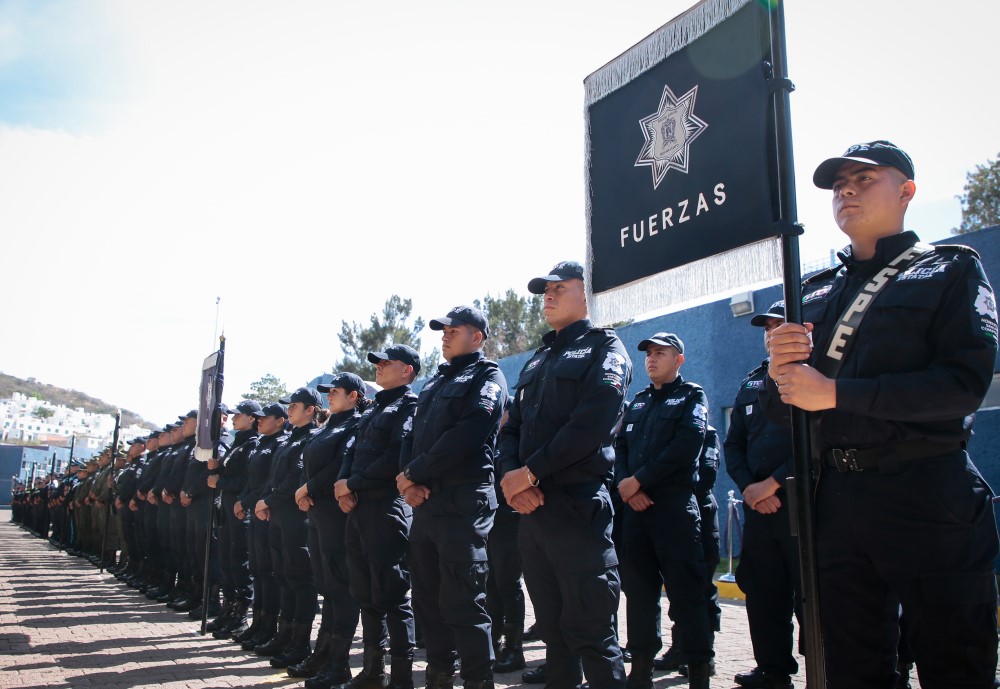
[532,479]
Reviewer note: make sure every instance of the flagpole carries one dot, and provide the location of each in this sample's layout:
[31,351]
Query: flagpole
[107,514]
[216,433]
[803,513]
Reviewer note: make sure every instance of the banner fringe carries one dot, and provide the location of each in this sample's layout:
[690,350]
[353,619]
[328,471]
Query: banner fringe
[730,271]
[668,39]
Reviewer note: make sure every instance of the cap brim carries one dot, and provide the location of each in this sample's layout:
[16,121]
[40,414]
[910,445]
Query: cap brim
[827,170]
[759,320]
[285,401]
[537,285]
[375,357]
[441,323]
[644,345]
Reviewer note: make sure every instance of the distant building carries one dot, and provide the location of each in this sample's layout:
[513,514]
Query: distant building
[23,420]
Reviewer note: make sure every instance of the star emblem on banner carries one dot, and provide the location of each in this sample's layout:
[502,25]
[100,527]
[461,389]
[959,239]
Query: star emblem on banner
[669,132]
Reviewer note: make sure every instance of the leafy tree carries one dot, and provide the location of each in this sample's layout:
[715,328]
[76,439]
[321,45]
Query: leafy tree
[389,327]
[266,390]
[516,323]
[981,200]
[44,413]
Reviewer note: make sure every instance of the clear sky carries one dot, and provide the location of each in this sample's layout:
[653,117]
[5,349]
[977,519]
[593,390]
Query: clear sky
[304,160]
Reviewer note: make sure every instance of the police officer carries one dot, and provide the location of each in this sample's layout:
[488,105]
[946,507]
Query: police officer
[287,535]
[902,349]
[758,459]
[189,581]
[329,664]
[271,423]
[228,475]
[125,487]
[656,469]
[556,456]
[447,478]
[378,522]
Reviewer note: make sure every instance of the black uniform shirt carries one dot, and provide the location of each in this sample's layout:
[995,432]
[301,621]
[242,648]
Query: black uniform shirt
[568,402]
[233,469]
[259,469]
[286,469]
[662,437]
[371,462]
[756,446]
[924,353]
[455,422]
[324,454]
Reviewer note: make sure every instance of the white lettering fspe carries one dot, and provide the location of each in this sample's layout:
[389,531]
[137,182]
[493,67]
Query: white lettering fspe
[861,302]
[652,225]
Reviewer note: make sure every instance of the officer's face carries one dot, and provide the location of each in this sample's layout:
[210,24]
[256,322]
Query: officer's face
[662,363]
[269,425]
[189,427]
[565,303]
[391,374]
[242,422]
[457,340]
[299,414]
[869,201]
[340,400]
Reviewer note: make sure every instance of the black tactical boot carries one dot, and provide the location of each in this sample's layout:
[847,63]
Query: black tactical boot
[338,670]
[439,677]
[251,630]
[372,675]
[672,660]
[224,619]
[237,622]
[267,629]
[698,675]
[511,657]
[317,660]
[401,673]
[479,684]
[276,644]
[641,674]
[297,649]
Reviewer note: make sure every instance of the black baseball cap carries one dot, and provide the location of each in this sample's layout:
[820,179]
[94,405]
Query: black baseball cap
[463,315]
[664,339]
[273,409]
[775,310]
[193,414]
[307,396]
[879,153]
[137,441]
[248,407]
[566,270]
[154,434]
[346,381]
[397,352]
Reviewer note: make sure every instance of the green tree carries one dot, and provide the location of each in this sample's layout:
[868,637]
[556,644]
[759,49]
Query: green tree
[44,413]
[390,327]
[267,389]
[981,200]
[516,323]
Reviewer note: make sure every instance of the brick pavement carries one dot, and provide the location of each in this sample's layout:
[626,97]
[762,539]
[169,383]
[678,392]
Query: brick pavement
[62,624]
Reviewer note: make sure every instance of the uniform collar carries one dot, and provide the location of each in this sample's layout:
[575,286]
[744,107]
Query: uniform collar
[337,419]
[886,249]
[557,340]
[384,398]
[460,362]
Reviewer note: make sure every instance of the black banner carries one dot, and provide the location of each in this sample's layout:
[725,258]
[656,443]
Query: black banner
[678,158]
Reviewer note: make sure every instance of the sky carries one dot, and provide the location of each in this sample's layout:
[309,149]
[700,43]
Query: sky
[173,170]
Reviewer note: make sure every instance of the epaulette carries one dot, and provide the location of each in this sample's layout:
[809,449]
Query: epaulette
[762,367]
[692,386]
[958,247]
[822,275]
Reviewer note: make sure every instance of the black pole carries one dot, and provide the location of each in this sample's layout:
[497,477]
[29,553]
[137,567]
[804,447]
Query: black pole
[107,512]
[788,216]
[216,433]
[72,447]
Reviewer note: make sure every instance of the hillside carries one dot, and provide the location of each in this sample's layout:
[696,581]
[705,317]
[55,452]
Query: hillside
[69,398]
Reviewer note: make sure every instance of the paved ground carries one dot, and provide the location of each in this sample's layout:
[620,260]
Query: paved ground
[62,624]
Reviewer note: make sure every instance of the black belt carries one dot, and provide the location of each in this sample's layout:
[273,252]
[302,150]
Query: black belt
[886,458]
[376,493]
[452,481]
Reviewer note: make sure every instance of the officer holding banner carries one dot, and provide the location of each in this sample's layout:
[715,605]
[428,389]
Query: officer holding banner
[896,350]
[556,456]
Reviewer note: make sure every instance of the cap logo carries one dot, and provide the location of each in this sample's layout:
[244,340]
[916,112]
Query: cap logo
[669,133]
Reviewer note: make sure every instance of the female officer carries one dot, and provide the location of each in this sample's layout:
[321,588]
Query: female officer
[287,534]
[328,665]
[266,598]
